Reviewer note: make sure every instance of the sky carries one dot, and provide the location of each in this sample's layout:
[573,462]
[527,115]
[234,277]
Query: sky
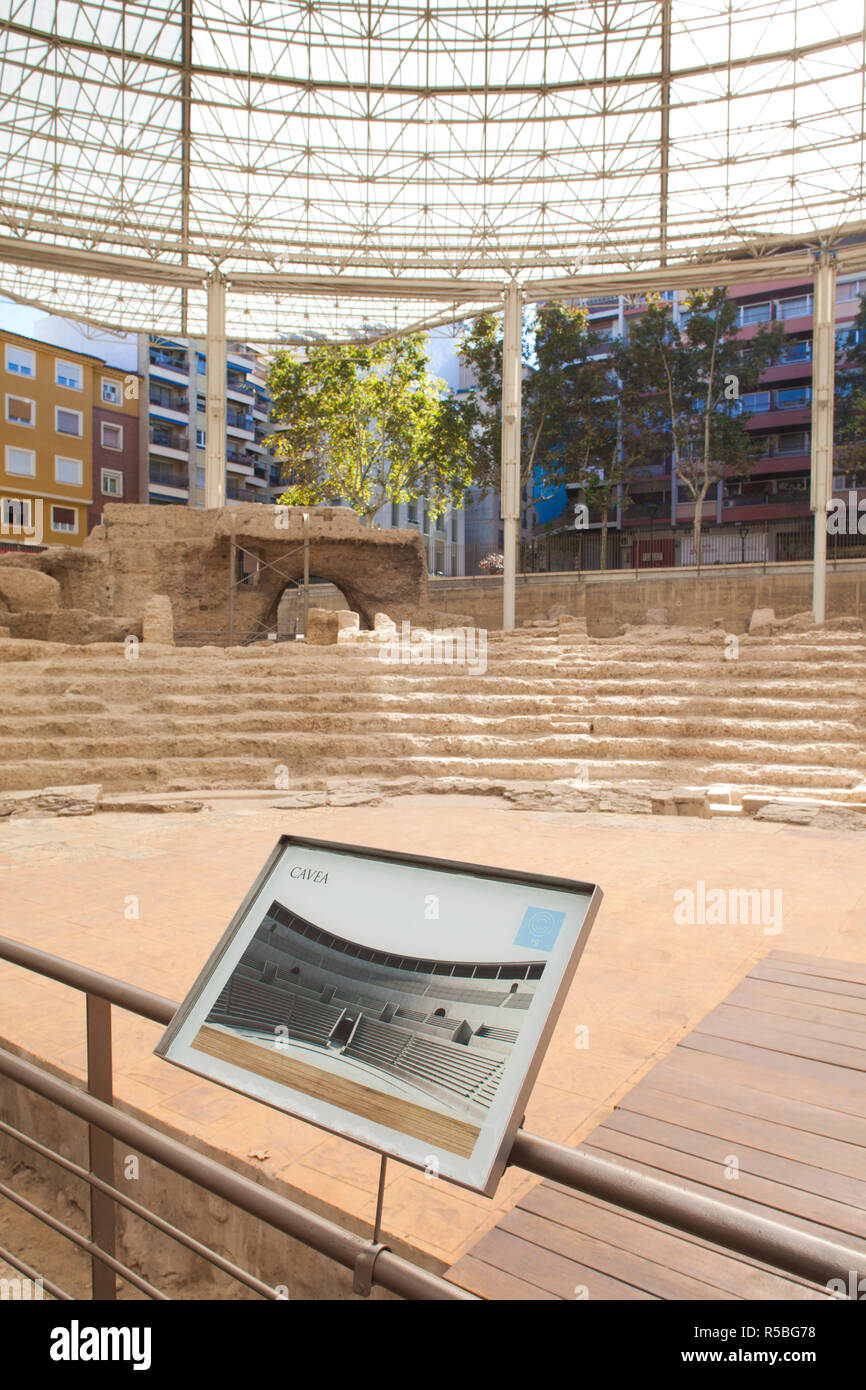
[20,318]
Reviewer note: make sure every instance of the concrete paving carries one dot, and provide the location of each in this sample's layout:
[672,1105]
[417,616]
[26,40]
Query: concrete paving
[73,886]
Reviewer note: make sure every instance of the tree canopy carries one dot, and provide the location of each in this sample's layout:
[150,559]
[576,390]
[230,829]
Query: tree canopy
[684,384]
[369,425]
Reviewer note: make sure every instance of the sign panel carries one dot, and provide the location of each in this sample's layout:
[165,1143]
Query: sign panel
[399,1001]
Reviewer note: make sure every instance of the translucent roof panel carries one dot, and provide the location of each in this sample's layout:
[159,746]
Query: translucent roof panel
[456,144]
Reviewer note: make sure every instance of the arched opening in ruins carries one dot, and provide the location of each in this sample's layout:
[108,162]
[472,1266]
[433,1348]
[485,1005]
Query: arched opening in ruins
[323,593]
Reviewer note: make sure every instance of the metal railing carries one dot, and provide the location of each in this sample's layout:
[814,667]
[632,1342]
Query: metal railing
[666,1200]
[371,1262]
[655,544]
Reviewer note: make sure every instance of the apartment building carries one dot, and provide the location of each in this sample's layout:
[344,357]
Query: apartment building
[764,515]
[68,441]
[769,507]
[174,371]
[442,533]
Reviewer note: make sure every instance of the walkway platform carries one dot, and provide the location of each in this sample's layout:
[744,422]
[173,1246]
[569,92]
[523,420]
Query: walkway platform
[771,1085]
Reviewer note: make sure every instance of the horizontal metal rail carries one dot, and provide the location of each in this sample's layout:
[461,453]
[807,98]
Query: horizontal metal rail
[243,1276]
[35,1278]
[666,1200]
[392,1271]
[90,1246]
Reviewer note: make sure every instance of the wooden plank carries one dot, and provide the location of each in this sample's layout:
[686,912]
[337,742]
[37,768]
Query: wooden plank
[795,1034]
[805,1210]
[851,970]
[756,1131]
[771,1071]
[799,1003]
[679,1251]
[672,1076]
[550,1271]
[827,983]
[781,1061]
[603,1258]
[427,1125]
[486,1281]
[788,1172]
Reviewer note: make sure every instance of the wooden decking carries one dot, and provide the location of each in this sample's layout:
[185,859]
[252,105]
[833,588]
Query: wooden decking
[774,1078]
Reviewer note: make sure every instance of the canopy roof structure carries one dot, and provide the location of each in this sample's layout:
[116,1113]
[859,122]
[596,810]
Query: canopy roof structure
[357,167]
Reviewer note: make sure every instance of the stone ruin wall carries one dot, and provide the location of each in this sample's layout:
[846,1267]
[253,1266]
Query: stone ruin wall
[142,551]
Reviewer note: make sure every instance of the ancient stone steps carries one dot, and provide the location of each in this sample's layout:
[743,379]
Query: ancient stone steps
[808,682]
[306,752]
[377,723]
[789,713]
[175,774]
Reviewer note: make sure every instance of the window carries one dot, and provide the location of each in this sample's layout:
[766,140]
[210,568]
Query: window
[200,439]
[110,391]
[756,313]
[69,374]
[755,401]
[64,519]
[112,436]
[111,483]
[20,411]
[797,351]
[793,398]
[200,403]
[16,514]
[21,461]
[798,443]
[68,471]
[200,477]
[68,421]
[20,360]
[201,363]
[412,514]
[797,308]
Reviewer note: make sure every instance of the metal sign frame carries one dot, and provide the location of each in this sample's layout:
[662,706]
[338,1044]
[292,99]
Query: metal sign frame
[479,1174]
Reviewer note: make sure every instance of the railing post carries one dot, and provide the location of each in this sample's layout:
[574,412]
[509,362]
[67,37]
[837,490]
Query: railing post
[101,1145]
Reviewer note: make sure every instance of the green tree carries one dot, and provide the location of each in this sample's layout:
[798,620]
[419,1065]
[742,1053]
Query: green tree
[370,425]
[684,384]
[569,411]
[850,397]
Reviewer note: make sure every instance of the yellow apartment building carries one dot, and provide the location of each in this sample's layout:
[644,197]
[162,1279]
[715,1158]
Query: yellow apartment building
[53,400]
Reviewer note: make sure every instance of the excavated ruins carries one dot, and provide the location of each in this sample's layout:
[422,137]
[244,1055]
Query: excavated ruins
[660,720]
[206,563]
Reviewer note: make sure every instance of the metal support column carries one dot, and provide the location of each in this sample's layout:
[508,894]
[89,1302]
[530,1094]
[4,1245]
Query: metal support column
[306,571]
[101,1145]
[823,379]
[215,419]
[512,381]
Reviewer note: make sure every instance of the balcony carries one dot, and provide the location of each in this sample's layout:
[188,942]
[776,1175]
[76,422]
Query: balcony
[239,384]
[235,493]
[169,441]
[165,399]
[169,477]
[177,361]
[240,419]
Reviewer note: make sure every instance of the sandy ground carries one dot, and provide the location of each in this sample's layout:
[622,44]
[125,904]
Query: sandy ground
[73,886]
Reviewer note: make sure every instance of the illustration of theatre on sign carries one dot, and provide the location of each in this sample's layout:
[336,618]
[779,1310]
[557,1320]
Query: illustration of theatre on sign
[401,1002]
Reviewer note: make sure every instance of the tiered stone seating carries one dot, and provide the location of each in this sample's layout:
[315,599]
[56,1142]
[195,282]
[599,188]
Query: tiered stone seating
[788,714]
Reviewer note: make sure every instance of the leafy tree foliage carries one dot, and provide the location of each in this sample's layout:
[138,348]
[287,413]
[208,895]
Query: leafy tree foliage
[370,425]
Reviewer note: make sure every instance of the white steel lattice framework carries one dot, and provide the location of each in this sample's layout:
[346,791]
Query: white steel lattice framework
[346,169]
